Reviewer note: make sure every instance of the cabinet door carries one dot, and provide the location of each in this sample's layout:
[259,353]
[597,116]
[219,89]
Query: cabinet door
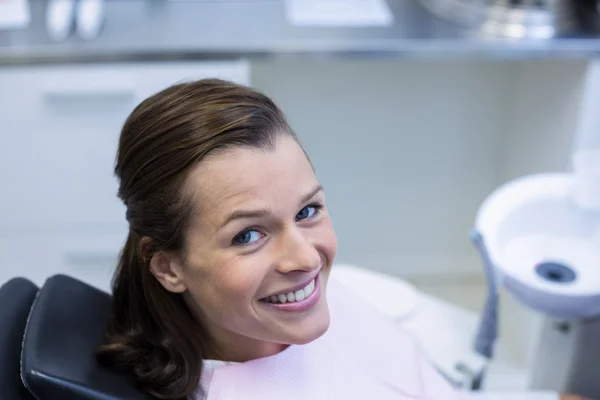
[59,129]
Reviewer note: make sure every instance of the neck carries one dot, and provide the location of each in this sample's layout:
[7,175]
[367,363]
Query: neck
[243,349]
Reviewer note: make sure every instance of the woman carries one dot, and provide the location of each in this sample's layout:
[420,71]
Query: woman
[221,291]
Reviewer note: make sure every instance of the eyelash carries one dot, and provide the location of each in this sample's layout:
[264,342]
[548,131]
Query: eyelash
[317,206]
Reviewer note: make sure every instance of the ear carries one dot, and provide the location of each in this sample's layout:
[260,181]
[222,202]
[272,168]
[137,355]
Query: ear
[167,269]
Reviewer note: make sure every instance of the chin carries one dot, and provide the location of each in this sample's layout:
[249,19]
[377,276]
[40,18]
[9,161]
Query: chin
[310,330]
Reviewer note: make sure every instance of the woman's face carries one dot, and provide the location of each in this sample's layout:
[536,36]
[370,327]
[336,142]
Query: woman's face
[259,250]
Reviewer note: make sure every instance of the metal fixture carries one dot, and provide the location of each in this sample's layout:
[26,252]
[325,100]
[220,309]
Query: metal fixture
[535,19]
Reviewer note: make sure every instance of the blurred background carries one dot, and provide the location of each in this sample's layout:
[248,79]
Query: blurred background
[413,111]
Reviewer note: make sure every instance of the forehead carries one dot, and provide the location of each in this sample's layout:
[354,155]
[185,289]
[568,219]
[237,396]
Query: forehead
[250,177]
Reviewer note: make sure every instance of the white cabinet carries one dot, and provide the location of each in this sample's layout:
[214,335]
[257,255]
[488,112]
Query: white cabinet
[59,133]
[59,130]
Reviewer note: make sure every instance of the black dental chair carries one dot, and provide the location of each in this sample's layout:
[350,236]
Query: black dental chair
[64,330]
[16,298]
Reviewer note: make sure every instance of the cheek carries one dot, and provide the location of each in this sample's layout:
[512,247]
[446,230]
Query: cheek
[233,281]
[326,240]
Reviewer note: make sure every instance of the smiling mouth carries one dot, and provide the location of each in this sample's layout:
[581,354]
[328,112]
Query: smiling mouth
[292,297]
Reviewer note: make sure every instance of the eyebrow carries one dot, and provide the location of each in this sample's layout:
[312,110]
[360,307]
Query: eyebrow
[241,214]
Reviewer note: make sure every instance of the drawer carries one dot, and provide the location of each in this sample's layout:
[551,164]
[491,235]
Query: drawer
[59,130]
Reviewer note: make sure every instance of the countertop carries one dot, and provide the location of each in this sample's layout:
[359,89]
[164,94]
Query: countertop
[228,29]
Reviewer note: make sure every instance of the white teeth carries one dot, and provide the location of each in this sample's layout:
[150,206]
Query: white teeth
[291,297]
[309,289]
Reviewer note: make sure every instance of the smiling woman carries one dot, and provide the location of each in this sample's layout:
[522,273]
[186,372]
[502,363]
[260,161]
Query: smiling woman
[230,244]
[252,236]
[221,291]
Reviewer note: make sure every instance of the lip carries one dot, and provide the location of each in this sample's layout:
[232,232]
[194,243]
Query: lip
[295,287]
[297,306]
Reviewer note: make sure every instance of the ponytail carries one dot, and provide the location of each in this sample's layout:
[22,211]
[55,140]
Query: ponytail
[151,331]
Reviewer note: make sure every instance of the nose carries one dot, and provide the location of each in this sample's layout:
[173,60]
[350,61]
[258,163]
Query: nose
[297,252]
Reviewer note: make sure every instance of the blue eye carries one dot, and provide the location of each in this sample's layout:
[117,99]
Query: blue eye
[308,212]
[247,237]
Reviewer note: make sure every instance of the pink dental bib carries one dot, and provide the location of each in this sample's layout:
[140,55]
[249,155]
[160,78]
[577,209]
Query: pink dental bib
[362,356]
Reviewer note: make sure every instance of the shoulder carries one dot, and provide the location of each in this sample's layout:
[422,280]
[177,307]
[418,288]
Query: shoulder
[209,367]
[382,348]
[362,334]
[350,310]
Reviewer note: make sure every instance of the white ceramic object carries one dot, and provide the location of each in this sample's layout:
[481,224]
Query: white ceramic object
[14,14]
[546,248]
[586,188]
[60,16]
[90,16]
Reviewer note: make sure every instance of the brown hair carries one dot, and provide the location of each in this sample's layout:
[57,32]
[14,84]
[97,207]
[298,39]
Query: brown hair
[151,331]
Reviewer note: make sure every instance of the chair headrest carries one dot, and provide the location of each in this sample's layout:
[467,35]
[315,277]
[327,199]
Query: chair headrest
[65,329]
[16,297]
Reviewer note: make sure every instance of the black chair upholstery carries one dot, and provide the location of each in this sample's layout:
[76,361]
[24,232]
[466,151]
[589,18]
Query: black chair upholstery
[65,329]
[16,298]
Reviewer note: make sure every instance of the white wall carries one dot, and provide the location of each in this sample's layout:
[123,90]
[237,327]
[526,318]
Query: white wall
[542,116]
[406,150]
